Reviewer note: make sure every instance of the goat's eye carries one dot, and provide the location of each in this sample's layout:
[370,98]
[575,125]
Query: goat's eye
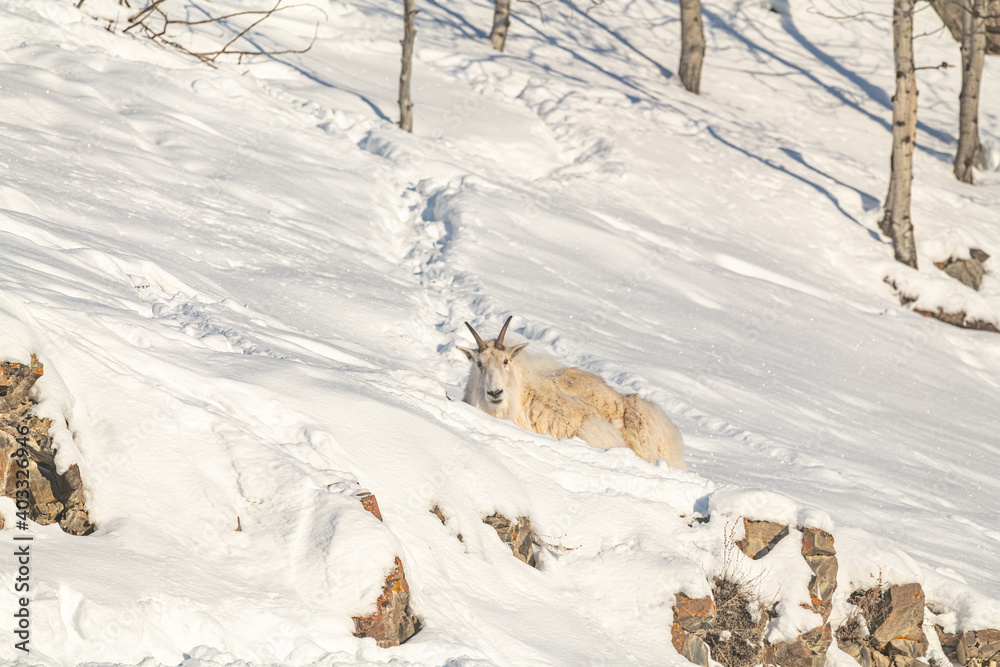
[479,363]
[505,361]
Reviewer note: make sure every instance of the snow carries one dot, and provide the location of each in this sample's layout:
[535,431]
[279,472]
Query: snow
[247,287]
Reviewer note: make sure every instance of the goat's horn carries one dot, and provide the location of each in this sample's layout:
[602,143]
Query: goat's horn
[479,341]
[499,343]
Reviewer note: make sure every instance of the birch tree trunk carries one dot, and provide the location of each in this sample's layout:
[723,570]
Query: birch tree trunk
[692,45]
[501,21]
[973,57]
[409,34]
[897,223]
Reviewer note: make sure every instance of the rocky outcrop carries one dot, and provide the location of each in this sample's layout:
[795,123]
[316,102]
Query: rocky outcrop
[979,649]
[693,620]
[26,447]
[392,623]
[724,628]
[518,536]
[821,556]
[894,619]
[971,649]
[807,650]
[958,319]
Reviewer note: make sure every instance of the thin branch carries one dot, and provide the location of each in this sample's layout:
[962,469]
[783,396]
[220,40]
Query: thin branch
[154,12]
[846,17]
[943,65]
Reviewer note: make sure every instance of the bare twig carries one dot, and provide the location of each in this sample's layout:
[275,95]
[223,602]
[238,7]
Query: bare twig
[943,65]
[154,22]
[846,17]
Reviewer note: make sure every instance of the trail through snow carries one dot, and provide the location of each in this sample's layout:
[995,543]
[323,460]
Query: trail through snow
[247,287]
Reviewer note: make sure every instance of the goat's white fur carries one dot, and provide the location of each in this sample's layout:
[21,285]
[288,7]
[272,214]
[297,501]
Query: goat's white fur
[538,393]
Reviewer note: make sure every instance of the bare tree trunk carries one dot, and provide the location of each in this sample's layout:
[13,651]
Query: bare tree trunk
[897,222]
[973,57]
[501,21]
[409,34]
[692,45]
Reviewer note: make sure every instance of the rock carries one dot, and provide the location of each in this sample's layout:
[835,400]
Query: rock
[693,619]
[959,319]
[519,537]
[969,272]
[899,615]
[436,511]
[693,648]
[894,618]
[807,650]
[369,502]
[50,497]
[949,642]
[761,537]
[979,648]
[857,650]
[696,615]
[16,380]
[392,623]
[821,556]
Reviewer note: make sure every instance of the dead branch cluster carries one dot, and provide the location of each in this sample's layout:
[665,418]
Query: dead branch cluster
[158,23]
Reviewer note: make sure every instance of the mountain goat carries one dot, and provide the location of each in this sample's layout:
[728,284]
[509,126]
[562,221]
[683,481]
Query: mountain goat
[540,394]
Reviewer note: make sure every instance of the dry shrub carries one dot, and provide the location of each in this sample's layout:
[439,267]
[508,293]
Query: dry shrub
[866,614]
[737,640]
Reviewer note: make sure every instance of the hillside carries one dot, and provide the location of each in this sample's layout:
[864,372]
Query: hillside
[247,285]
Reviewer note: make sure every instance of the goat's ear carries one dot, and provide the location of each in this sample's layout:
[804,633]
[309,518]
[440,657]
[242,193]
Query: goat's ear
[467,352]
[517,350]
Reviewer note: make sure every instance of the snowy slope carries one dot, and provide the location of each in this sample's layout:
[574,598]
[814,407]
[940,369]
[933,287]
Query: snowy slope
[247,285]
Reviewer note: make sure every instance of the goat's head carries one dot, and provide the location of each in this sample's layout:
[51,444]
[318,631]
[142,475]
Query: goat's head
[493,383]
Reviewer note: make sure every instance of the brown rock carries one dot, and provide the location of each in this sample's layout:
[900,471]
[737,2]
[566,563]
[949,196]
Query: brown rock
[949,642]
[16,381]
[693,618]
[761,537]
[817,542]
[696,615]
[857,650]
[821,556]
[691,646]
[969,272]
[807,650]
[915,647]
[899,613]
[27,455]
[519,537]
[392,623]
[369,502]
[979,648]
[959,319]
